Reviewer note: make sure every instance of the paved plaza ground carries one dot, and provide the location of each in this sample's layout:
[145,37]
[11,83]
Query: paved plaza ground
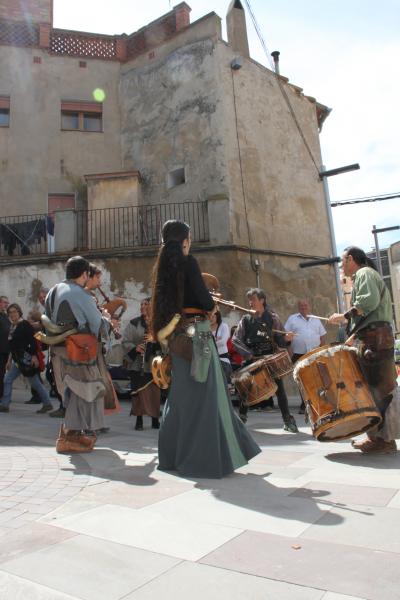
[303,521]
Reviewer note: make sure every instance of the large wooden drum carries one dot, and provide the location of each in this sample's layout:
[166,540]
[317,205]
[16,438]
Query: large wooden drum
[338,401]
[254,383]
[279,364]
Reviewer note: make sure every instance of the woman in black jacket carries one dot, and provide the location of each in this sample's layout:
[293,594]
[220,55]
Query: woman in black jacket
[23,361]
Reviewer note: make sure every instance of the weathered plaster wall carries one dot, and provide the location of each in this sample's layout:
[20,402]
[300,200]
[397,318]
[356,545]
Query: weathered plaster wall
[35,154]
[284,196]
[170,119]
[113,192]
[130,277]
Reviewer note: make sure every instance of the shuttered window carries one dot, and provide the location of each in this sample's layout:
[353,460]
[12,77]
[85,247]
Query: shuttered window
[81,116]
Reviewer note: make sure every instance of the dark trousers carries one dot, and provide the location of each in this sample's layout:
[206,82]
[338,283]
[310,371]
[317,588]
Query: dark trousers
[52,382]
[3,362]
[282,402]
[295,358]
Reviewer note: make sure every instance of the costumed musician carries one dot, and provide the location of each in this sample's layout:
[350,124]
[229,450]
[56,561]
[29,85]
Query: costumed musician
[254,338]
[369,323]
[73,325]
[200,435]
[111,402]
[139,352]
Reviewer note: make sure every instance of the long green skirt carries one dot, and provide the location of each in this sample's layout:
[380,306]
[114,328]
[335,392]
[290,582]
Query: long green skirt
[200,435]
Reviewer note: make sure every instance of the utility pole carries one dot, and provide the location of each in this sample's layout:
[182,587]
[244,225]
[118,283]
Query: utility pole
[323,175]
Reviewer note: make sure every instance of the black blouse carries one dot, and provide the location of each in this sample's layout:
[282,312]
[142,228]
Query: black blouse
[196,295]
[22,340]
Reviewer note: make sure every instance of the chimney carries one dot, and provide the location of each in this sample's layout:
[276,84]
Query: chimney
[236,28]
[182,15]
[275,55]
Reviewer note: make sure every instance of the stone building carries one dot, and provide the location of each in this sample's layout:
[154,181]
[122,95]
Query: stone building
[104,137]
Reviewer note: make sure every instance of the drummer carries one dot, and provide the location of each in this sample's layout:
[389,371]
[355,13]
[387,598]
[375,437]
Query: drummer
[254,338]
[369,322]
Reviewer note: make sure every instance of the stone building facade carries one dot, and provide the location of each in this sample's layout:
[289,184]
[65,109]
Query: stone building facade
[170,121]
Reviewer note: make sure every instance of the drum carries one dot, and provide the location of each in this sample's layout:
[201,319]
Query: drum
[279,364]
[254,383]
[338,401]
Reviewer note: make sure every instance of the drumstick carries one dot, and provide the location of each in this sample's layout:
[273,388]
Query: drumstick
[317,317]
[284,332]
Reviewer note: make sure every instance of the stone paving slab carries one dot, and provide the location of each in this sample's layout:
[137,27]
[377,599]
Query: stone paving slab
[57,509]
[346,494]
[322,565]
[90,568]
[19,588]
[333,596]
[376,528]
[149,529]
[198,582]
[24,540]
[248,503]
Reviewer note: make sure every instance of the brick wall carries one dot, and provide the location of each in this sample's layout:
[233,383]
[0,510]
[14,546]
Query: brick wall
[38,11]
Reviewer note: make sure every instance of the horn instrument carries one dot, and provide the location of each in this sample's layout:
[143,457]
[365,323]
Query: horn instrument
[218,300]
[112,306]
[212,284]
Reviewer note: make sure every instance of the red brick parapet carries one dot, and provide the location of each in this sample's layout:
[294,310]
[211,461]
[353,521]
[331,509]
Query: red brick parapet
[44,35]
[91,45]
[182,15]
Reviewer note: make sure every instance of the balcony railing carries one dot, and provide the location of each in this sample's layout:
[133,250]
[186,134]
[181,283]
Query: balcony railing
[98,229]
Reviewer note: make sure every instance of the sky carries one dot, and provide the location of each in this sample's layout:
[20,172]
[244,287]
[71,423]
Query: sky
[344,53]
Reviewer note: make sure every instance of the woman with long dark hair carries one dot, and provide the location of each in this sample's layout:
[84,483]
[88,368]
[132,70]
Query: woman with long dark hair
[200,436]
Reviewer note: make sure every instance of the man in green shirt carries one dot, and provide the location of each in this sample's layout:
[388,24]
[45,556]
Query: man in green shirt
[369,321]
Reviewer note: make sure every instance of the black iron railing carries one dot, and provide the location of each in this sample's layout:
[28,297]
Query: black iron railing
[99,229]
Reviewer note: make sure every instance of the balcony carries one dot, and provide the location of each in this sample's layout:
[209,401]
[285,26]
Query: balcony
[97,230]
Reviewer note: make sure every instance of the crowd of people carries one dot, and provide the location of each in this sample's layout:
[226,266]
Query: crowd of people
[200,433]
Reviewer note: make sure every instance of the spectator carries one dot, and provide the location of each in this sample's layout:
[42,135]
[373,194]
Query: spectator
[220,331]
[24,360]
[4,343]
[310,333]
[234,356]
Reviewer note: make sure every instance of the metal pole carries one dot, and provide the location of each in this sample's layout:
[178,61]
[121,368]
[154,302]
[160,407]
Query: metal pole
[377,251]
[333,240]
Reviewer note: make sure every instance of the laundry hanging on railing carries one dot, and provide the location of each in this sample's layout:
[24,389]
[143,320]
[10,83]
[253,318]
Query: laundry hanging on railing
[24,234]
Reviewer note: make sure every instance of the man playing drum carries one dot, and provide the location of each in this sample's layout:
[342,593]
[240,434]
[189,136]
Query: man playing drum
[369,322]
[254,338]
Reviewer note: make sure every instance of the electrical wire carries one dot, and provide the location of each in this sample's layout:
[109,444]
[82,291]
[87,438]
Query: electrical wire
[280,84]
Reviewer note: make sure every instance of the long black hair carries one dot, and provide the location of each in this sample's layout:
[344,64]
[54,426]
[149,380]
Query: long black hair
[360,257]
[168,275]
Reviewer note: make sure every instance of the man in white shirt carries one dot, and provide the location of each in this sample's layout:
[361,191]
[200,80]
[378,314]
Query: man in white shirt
[310,333]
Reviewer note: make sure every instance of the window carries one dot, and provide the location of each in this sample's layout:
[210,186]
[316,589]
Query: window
[69,120]
[92,122]
[176,177]
[82,116]
[4,111]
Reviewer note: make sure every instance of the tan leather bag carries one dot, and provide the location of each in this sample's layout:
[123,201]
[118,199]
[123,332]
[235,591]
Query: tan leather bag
[81,347]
